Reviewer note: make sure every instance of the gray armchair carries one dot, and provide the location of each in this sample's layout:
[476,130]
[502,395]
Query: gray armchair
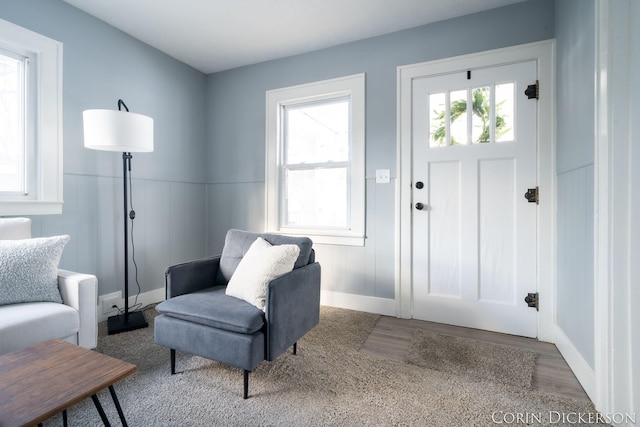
[198,317]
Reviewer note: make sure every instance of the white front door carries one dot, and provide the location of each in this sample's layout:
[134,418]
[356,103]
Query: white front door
[474,253]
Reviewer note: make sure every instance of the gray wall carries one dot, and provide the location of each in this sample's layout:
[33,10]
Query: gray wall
[102,64]
[236,129]
[575,44]
[223,116]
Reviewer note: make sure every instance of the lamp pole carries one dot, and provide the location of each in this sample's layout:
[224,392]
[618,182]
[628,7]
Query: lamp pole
[127,321]
[126,167]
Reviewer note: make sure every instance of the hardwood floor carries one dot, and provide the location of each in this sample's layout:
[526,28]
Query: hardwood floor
[390,338]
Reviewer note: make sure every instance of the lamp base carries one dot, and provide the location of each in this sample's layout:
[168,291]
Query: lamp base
[120,323]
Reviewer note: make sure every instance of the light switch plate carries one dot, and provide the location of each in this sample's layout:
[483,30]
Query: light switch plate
[383,176]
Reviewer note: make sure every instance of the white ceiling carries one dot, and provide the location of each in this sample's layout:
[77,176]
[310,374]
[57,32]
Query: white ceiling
[215,35]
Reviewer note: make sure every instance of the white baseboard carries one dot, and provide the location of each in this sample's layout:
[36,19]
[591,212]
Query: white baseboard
[146,298]
[581,369]
[376,305]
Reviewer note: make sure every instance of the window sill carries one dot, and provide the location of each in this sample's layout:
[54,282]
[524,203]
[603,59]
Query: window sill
[324,238]
[30,208]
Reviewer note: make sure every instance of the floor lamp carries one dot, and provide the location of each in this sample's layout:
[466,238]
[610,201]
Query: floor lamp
[111,130]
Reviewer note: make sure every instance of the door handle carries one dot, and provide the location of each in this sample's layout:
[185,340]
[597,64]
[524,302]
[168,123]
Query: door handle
[419,206]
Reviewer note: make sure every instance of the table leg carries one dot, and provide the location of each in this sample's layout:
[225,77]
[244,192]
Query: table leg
[64,419]
[96,402]
[117,403]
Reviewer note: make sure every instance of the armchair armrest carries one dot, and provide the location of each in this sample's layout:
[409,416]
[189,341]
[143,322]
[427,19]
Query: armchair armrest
[191,276]
[80,291]
[292,308]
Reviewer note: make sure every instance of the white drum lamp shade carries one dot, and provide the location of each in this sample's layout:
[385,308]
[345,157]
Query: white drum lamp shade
[111,130]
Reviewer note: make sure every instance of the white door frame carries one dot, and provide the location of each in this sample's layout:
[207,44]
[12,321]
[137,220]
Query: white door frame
[614,387]
[544,54]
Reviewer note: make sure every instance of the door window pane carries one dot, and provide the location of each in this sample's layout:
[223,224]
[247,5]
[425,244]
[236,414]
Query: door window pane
[481,106]
[505,112]
[437,114]
[458,117]
[317,132]
[317,197]
[12,139]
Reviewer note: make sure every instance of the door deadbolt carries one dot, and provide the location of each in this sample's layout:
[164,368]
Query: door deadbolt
[419,185]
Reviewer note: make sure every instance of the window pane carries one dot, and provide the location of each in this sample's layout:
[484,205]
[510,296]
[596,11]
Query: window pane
[458,111]
[481,130]
[437,128]
[317,197]
[317,132]
[11,124]
[504,112]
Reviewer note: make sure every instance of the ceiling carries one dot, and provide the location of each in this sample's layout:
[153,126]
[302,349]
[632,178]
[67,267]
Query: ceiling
[216,35]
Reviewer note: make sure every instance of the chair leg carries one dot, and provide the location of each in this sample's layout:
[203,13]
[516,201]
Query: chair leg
[295,348]
[173,361]
[246,384]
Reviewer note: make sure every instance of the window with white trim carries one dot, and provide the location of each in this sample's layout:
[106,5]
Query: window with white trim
[30,122]
[315,160]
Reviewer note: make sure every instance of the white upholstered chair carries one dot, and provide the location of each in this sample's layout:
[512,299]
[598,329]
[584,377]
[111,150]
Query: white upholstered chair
[75,320]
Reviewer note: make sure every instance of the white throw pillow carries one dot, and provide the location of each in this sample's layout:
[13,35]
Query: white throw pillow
[29,269]
[261,264]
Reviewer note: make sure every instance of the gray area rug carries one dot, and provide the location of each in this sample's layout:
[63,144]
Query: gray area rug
[328,383]
[468,357]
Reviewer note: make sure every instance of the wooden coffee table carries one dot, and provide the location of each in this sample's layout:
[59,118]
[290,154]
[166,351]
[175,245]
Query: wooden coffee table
[43,380]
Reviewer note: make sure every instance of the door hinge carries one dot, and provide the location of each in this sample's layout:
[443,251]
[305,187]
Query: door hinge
[533,91]
[533,195]
[532,300]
